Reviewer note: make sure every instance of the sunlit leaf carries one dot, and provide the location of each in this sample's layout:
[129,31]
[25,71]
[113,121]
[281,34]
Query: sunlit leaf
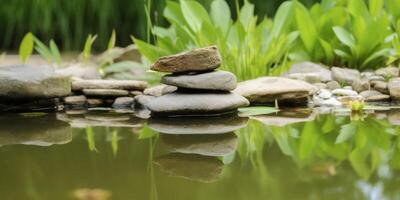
[26,47]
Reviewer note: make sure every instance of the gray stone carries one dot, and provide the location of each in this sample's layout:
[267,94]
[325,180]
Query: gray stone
[135,93]
[196,104]
[123,102]
[75,100]
[95,102]
[197,125]
[332,102]
[26,82]
[207,145]
[143,100]
[372,95]
[201,59]
[285,118]
[102,119]
[159,90]
[388,72]
[348,87]
[394,88]
[345,75]
[324,94]
[307,77]
[360,85]
[367,74]
[394,117]
[105,92]
[79,85]
[332,85]
[308,67]
[80,70]
[344,92]
[376,78]
[269,89]
[348,99]
[320,85]
[215,80]
[380,86]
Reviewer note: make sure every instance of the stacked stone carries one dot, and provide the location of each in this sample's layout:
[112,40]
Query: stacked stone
[97,93]
[202,90]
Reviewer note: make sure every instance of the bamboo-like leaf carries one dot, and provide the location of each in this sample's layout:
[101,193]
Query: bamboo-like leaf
[344,36]
[55,52]
[111,42]
[88,47]
[26,47]
[194,14]
[307,29]
[221,15]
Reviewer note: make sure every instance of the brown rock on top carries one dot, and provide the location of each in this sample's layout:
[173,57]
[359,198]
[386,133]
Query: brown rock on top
[201,59]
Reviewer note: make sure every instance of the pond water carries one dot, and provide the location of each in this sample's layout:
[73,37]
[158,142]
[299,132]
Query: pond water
[288,155]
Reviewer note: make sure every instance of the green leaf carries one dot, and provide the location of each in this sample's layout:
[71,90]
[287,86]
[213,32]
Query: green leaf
[344,36]
[307,29]
[256,110]
[346,132]
[26,47]
[88,47]
[282,18]
[246,13]
[55,52]
[43,50]
[111,42]
[146,132]
[194,13]
[375,7]
[221,15]
[328,50]
[151,52]
[379,54]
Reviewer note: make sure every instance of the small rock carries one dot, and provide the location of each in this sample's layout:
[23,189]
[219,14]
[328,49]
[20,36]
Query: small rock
[143,100]
[75,100]
[108,84]
[332,102]
[196,104]
[376,78]
[216,80]
[360,85]
[320,85]
[332,85]
[348,87]
[135,93]
[345,75]
[347,99]
[325,94]
[344,92]
[394,118]
[201,59]
[105,92]
[324,74]
[95,102]
[159,90]
[123,102]
[394,88]
[307,77]
[380,86]
[367,74]
[388,72]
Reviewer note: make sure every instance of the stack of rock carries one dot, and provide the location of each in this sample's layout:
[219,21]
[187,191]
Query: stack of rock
[201,89]
[97,93]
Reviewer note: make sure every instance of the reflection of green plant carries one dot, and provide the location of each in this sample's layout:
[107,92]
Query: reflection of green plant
[248,48]
[90,139]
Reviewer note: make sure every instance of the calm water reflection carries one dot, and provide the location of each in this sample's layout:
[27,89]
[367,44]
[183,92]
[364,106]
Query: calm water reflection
[289,155]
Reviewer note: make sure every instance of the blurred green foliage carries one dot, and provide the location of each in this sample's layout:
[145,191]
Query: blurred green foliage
[68,22]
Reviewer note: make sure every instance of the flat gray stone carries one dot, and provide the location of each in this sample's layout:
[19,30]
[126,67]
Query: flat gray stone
[215,80]
[284,118]
[201,59]
[75,100]
[394,88]
[80,70]
[159,90]
[267,89]
[380,86]
[196,104]
[332,85]
[312,69]
[344,92]
[95,102]
[388,72]
[360,85]
[79,85]
[345,75]
[197,125]
[105,92]
[123,102]
[26,82]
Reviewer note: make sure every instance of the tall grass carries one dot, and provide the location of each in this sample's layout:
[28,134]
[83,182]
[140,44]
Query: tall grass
[70,21]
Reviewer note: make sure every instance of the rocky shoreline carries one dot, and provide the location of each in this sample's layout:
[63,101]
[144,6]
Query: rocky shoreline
[193,86]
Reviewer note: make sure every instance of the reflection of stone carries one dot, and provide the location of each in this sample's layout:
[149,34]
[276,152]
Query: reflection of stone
[191,166]
[208,145]
[43,130]
[197,125]
[394,117]
[107,119]
[284,118]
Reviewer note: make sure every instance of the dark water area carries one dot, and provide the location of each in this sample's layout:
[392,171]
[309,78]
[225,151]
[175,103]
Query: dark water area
[287,155]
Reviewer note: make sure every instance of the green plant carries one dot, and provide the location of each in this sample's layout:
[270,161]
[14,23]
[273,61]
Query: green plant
[364,38]
[87,49]
[51,53]
[26,47]
[248,48]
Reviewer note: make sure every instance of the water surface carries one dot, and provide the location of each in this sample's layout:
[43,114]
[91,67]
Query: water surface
[289,155]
